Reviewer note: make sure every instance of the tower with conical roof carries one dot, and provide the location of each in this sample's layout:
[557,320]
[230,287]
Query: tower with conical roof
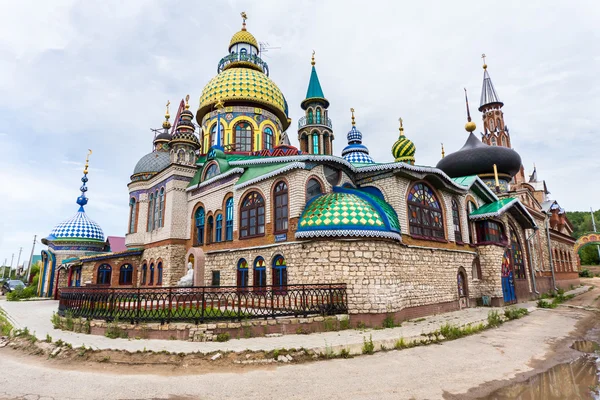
[495,132]
[184,142]
[315,132]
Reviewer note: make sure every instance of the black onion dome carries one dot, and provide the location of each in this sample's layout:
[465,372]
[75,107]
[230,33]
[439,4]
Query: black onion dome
[164,135]
[477,158]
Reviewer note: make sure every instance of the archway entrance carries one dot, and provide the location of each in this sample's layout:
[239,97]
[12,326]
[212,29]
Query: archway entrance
[588,238]
[508,279]
[463,291]
[195,256]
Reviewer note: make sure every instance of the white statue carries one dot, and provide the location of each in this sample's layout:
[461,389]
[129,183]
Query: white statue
[188,278]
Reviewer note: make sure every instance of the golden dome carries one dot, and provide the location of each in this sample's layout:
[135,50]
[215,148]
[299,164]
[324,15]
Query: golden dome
[243,36]
[243,84]
[470,126]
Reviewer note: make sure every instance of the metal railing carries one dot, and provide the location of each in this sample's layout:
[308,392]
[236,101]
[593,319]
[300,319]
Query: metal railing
[302,122]
[199,304]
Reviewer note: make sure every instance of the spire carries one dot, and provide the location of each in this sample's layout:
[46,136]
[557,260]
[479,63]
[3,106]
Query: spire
[82,200]
[443,152]
[219,106]
[244,18]
[470,125]
[488,93]
[533,176]
[314,86]
[167,124]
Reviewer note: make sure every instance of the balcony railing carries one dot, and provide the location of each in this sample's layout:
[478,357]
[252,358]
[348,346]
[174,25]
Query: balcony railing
[199,304]
[302,122]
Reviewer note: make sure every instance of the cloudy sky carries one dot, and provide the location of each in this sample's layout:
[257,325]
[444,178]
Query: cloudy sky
[96,74]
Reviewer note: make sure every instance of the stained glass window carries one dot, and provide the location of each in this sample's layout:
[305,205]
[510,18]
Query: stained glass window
[104,274]
[260,272]
[125,274]
[229,219]
[471,206]
[242,273]
[219,228]
[315,143]
[279,272]
[252,216]
[281,207]
[159,274]
[243,137]
[199,217]
[212,170]
[424,213]
[462,291]
[517,256]
[313,188]
[132,214]
[456,221]
[268,138]
[150,211]
[332,175]
[490,232]
[161,207]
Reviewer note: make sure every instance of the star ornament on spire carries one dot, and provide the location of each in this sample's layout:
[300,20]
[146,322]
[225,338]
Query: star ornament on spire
[352,111]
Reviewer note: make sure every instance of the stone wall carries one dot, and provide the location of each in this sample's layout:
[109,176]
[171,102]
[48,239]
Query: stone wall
[173,258]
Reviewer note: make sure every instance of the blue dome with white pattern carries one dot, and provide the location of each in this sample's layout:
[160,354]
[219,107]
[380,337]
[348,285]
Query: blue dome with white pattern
[356,152]
[77,227]
[354,135]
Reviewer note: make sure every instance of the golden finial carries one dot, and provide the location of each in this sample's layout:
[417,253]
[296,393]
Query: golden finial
[187,102]
[244,18]
[470,125]
[313,59]
[443,152]
[167,115]
[401,129]
[87,162]
[219,104]
[483,58]
[496,179]
[352,111]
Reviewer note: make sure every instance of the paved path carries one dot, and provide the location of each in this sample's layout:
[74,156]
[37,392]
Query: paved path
[36,316]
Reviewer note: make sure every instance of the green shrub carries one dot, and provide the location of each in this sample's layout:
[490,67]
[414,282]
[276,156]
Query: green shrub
[345,324]
[544,304]
[48,338]
[389,322]
[344,353]
[113,331]
[585,273]
[400,344]
[494,319]
[56,321]
[21,293]
[560,291]
[368,345]
[515,313]
[451,332]
[223,337]
[69,321]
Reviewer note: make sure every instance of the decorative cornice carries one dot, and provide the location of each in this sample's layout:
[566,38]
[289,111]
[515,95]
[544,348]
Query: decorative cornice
[216,178]
[295,165]
[348,233]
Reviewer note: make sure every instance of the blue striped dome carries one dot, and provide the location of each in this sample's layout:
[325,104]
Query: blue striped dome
[77,227]
[354,135]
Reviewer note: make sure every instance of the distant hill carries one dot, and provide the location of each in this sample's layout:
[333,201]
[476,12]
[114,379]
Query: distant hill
[582,224]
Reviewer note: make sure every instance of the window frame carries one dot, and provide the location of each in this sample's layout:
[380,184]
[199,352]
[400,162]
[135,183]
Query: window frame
[268,144]
[144,277]
[518,264]
[126,270]
[486,235]
[322,191]
[151,280]
[210,225]
[150,223]
[159,273]
[209,169]
[242,274]
[250,139]
[259,209]
[161,208]
[281,223]
[229,216]
[279,275]
[423,209]
[132,215]
[259,273]
[199,224]
[219,228]
[456,222]
[106,272]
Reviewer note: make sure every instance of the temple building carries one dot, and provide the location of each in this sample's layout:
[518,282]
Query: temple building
[226,194]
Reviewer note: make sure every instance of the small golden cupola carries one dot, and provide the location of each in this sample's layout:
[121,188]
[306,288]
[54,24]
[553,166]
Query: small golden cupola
[404,149]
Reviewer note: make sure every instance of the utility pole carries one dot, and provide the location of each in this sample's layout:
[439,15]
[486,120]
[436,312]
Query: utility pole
[595,231]
[30,259]
[19,258]
[11,264]
[4,268]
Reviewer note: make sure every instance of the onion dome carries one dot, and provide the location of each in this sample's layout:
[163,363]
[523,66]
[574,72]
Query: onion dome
[404,149]
[243,78]
[79,227]
[185,130]
[348,213]
[356,152]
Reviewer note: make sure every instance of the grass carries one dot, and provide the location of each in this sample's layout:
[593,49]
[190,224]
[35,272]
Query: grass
[368,345]
[389,322]
[5,326]
[559,298]
[223,337]
[494,319]
[515,313]
[113,331]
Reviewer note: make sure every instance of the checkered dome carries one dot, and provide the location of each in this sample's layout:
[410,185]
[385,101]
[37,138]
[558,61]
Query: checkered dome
[358,157]
[77,227]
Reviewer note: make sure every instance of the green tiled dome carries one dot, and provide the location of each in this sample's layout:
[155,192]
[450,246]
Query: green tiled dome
[348,213]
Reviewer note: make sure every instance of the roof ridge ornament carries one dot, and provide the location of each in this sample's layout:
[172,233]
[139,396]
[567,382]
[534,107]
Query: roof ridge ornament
[312,62]
[353,121]
[470,125]
[401,129]
[82,200]
[244,18]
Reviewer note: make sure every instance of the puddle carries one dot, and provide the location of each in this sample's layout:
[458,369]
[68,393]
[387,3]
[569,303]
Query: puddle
[586,346]
[574,380]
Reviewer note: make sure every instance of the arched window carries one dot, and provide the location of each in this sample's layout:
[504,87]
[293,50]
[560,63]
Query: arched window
[476,268]
[181,156]
[571,263]
[104,274]
[161,208]
[471,206]
[517,256]
[219,228]
[210,229]
[212,140]
[156,208]
[503,141]
[260,272]
[315,143]
[144,274]
[150,211]
[318,115]
[489,231]
[313,188]
[494,141]
[456,221]
[243,137]
[491,124]
[229,219]
[252,216]
[199,217]
[461,280]
[159,274]
[132,214]
[268,138]
[242,273]
[151,280]
[280,279]
[126,274]
[424,213]
[281,207]
[310,116]
[212,170]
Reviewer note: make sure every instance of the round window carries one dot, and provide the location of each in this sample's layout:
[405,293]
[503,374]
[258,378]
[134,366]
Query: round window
[332,175]
[313,188]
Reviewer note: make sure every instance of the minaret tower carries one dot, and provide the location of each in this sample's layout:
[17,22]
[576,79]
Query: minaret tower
[315,132]
[495,132]
[184,143]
